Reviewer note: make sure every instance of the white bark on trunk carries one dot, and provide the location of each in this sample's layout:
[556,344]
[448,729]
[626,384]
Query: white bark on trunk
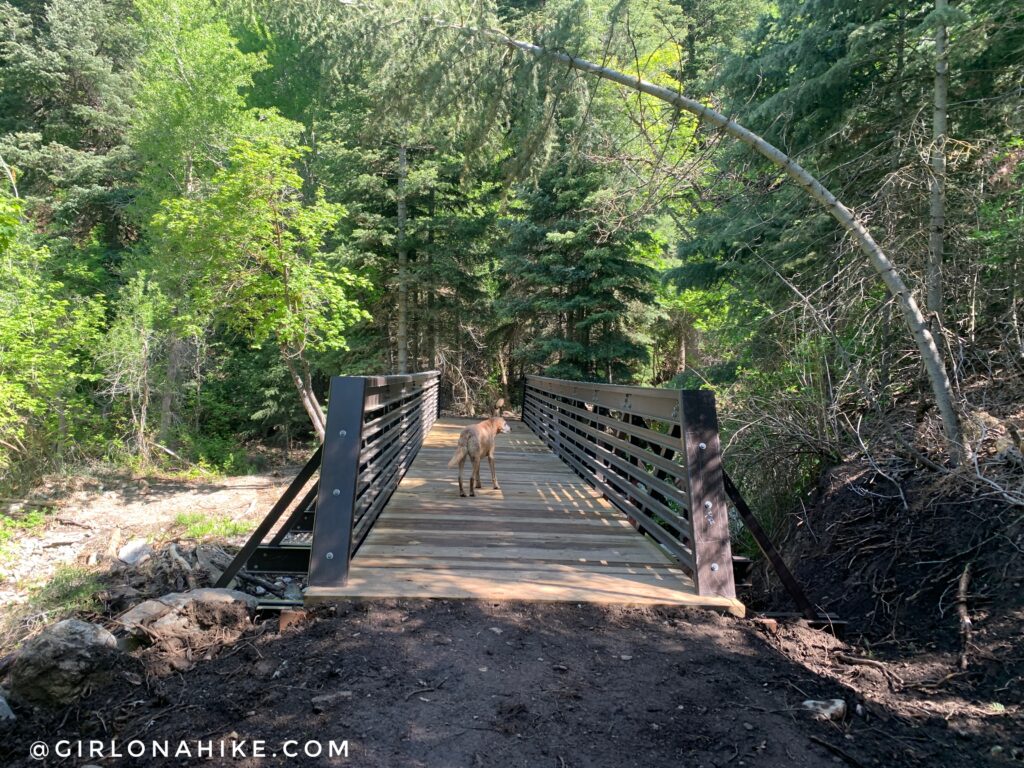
[915,320]
[307,396]
[937,182]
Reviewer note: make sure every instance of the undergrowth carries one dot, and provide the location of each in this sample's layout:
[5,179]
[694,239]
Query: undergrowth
[196,525]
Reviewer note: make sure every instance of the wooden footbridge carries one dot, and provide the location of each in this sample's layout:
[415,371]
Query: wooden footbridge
[608,494]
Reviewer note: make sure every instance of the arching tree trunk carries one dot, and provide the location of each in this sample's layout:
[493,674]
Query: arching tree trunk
[914,318]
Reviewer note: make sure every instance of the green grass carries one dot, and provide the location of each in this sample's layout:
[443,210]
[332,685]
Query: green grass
[199,526]
[69,589]
[13,528]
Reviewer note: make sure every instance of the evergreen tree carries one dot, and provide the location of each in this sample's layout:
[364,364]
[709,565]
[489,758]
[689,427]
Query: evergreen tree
[576,283]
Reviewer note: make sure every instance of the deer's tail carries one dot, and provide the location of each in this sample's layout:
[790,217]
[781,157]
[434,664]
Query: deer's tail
[460,454]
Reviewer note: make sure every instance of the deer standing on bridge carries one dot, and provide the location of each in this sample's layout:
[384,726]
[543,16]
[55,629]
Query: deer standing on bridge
[475,443]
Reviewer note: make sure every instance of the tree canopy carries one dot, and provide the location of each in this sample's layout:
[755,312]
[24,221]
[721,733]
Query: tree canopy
[212,206]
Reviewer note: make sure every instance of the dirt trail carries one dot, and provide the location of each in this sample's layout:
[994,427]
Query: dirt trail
[482,684]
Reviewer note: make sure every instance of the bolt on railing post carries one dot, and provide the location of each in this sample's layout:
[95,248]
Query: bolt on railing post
[709,514]
[339,478]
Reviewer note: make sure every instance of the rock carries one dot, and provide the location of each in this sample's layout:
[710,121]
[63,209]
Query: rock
[326,701]
[176,624]
[213,561]
[135,552]
[120,596]
[6,715]
[293,591]
[830,709]
[179,620]
[56,666]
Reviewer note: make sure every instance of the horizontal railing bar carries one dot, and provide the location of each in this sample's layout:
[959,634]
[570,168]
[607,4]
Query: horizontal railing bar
[376,457]
[641,433]
[660,404]
[676,471]
[389,397]
[658,533]
[383,485]
[681,524]
[649,502]
[400,378]
[637,474]
[381,394]
[372,428]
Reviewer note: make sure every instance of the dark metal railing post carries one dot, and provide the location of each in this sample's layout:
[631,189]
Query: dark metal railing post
[339,478]
[768,548]
[709,514]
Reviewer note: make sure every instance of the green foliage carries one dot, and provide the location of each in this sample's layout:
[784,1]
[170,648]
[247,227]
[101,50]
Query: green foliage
[209,197]
[12,528]
[44,339]
[64,92]
[196,525]
[251,251]
[190,105]
[579,283]
[70,589]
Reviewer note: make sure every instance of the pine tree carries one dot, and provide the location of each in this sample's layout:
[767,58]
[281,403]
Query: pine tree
[576,283]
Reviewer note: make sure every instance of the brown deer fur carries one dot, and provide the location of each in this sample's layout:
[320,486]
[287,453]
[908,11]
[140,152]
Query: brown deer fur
[475,443]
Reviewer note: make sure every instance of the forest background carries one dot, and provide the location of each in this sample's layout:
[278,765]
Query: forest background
[209,207]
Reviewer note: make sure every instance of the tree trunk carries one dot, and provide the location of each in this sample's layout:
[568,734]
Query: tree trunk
[304,386]
[403,264]
[916,324]
[169,397]
[937,182]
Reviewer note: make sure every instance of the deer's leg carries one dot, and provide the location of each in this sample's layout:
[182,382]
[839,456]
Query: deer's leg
[494,475]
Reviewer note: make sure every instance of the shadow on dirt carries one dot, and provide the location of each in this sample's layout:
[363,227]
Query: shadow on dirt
[448,683]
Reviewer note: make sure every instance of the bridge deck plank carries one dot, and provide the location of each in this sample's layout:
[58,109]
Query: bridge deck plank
[546,535]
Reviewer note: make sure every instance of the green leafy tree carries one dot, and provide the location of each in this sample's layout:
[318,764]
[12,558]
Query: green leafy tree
[251,250]
[190,97]
[44,339]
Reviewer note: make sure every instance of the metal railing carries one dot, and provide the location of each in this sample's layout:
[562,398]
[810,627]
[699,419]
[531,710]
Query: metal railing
[654,454]
[375,426]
